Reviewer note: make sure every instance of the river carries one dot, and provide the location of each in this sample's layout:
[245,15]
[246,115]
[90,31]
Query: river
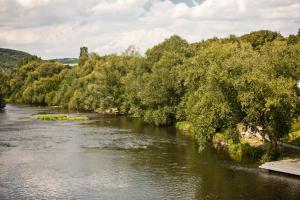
[112,157]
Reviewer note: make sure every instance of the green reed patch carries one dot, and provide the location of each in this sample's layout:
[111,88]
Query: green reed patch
[61,118]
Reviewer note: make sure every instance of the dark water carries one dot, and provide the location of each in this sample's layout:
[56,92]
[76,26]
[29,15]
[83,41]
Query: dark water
[119,158]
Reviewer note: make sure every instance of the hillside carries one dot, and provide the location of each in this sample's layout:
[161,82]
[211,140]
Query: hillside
[9,58]
[67,61]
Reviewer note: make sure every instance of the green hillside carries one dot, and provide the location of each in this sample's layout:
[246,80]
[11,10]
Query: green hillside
[67,61]
[9,58]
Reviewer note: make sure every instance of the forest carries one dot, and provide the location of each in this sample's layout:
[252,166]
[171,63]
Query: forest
[9,58]
[214,85]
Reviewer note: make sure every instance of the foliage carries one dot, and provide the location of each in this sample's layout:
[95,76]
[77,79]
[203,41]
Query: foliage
[271,155]
[155,88]
[267,93]
[34,81]
[213,84]
[183,126]
[3,86]
[259,38]
[294,136]
[238,150]
[295,125]
[10,58]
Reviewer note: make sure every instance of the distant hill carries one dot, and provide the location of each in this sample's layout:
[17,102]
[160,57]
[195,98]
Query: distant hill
[9,58]
[67,61]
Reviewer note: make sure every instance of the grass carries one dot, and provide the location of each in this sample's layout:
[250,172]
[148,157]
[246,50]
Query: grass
[61,118]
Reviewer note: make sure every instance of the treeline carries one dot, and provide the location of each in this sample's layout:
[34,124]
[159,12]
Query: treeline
[214,84]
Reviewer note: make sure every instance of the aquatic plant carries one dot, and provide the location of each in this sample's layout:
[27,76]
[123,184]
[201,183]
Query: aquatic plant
[61,118]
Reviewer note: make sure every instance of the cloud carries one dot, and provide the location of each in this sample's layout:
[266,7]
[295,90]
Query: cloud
[32,3]
[118,6]
[145,39]
[57,28]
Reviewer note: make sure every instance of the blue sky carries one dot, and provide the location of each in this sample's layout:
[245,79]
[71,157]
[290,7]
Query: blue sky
[57,28]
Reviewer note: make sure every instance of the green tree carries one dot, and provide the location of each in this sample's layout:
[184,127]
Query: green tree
[268,91]
[259,38]
[292,39]
[214,84]
[158,86]
[269,103]
[213,105]
[32,81]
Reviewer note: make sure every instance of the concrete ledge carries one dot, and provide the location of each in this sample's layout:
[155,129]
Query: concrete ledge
[290,166]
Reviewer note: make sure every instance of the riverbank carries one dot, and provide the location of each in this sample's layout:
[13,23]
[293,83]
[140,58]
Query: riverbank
[249,148]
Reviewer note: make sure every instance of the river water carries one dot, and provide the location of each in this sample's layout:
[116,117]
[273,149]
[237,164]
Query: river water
[113,157]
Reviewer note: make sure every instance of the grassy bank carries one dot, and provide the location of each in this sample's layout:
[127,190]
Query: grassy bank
[241,150]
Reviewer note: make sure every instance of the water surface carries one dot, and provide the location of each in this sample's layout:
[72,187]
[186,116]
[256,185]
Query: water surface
[119,158]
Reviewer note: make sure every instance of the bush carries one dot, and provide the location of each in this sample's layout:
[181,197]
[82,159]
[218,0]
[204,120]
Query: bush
[271,155]
[237,151]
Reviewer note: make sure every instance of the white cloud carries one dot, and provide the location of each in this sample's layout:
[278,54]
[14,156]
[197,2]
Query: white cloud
[32,3]
[117,6]
[142,38]
[52,28]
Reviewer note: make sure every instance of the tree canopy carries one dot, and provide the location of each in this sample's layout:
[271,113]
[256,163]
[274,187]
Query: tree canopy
[214,84]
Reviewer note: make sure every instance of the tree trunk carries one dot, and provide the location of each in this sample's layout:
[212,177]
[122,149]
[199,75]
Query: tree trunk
[273,141]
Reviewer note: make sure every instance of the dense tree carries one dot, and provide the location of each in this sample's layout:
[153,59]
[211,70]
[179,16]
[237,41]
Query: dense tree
[10,58]
[157,82]
[214,84]
[259,38]
[268,92]
[292,39]
[34,80]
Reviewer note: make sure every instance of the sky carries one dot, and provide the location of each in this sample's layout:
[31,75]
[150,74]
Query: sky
[58,28]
